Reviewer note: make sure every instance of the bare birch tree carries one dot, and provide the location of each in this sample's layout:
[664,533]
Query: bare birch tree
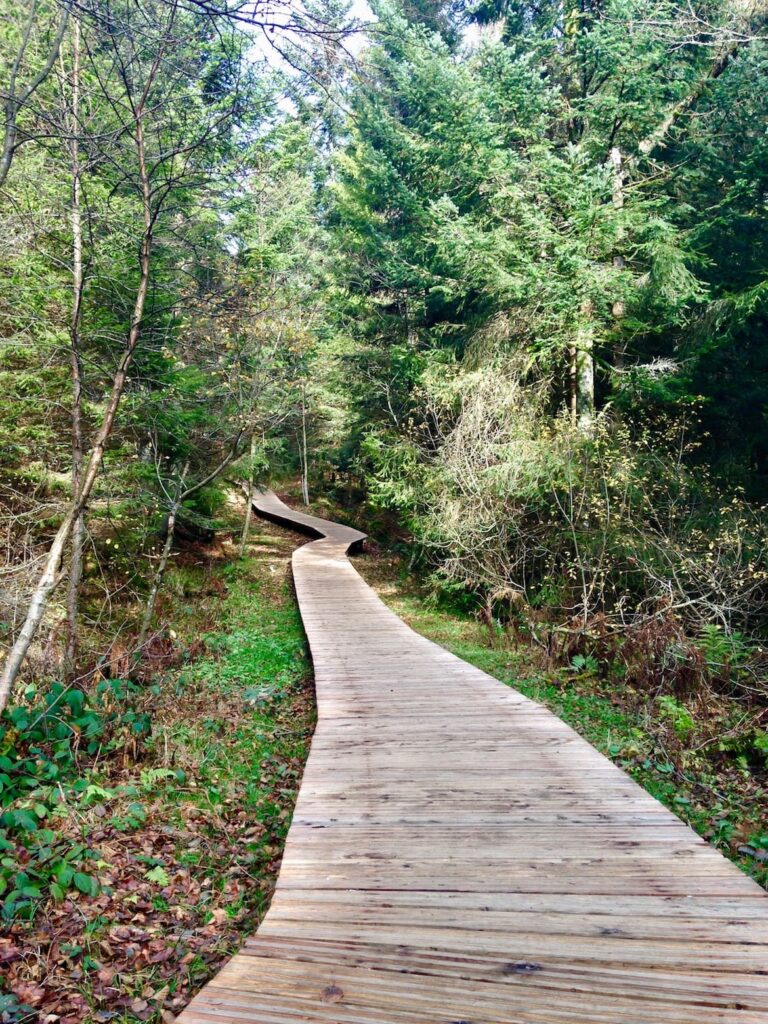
[78,525]
[145,67]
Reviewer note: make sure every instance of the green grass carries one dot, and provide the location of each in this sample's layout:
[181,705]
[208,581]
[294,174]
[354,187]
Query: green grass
[246,738]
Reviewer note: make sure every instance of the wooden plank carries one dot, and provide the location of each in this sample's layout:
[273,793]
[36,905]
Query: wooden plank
[458,854]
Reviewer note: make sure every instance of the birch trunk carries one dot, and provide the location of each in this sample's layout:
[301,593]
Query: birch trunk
[52,571]
[584,371]
[305,467]
[78,525]
[618,309]
[249,500]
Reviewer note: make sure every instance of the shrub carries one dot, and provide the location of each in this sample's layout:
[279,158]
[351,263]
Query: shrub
[533,515]
[44,745]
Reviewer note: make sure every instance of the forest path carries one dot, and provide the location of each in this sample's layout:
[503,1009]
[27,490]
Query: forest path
[460,855]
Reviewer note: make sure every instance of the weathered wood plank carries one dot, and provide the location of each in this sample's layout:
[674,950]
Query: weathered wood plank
[459,854]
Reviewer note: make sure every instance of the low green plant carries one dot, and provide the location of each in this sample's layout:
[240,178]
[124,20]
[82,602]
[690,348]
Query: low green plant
[14,1011]
[723,652]
[38,862]
[585,663]
[46,746]
[677,714]
[749,748]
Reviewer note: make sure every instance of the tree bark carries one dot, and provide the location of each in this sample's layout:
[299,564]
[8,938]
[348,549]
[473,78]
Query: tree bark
[180,497]
[618,308]
[750,20]
[16,99]
[78,526]
[304,466]
[584,371]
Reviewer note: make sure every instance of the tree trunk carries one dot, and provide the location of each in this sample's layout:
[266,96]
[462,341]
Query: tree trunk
[617,163]
[584,371]
[78,526]
[617,307]
[52,572]
[746,21]
[304,466]
[15,98]
[179,498]
[10,113]
[149,611]
[249,499]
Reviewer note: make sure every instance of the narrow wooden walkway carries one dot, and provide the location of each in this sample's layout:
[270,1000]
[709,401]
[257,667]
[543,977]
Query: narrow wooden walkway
[459,855]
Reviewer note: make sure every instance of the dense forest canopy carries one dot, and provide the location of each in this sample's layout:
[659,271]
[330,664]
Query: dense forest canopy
[500,267]
[506,268]
[552,244]
[492,275]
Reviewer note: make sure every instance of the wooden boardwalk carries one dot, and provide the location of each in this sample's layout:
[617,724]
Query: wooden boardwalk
[458,855]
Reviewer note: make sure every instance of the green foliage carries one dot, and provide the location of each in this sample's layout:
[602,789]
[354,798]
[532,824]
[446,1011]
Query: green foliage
[464,208]
[723,651]
[250,654]
[13,1010]
[509,213]
[158,875]
[749,748]
[678,715]
[43,744]
[528,513]
[231,317]
[584,663]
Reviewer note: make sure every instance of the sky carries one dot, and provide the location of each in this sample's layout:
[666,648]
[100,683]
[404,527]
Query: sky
[263,50]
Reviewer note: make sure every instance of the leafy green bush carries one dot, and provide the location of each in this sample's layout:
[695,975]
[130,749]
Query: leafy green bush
[45,748]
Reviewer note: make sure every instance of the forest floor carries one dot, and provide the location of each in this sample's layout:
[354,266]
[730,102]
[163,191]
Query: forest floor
[183,835]
[678,751]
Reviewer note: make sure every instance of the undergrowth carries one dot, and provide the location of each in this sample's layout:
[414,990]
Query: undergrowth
[143,821]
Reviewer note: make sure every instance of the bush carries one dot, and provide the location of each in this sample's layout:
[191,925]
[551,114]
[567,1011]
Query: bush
[44,746]
[561,529]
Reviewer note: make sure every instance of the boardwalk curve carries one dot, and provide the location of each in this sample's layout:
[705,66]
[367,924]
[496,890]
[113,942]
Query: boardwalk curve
[458,855]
